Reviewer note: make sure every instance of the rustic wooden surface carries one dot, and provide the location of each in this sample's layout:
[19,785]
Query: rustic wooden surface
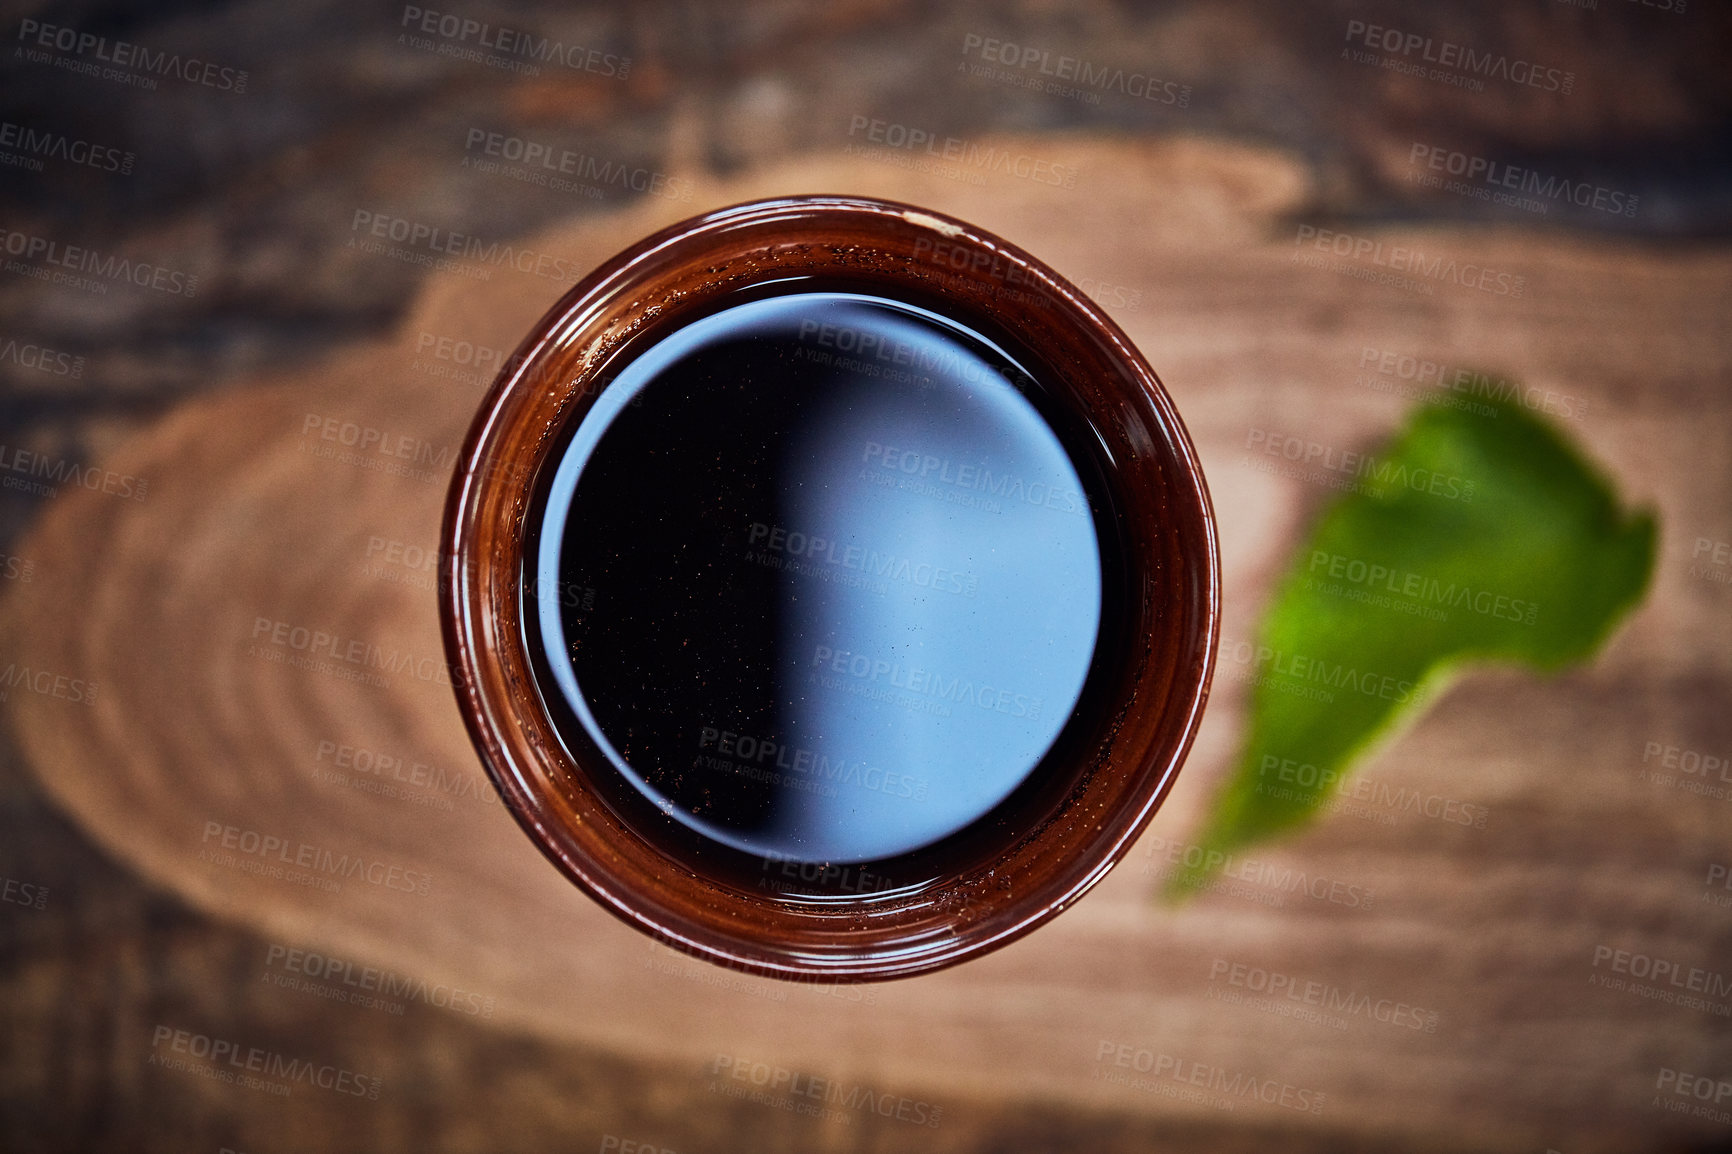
[1494,929]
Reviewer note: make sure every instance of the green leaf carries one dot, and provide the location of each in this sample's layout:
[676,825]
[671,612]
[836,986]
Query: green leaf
[1469,538]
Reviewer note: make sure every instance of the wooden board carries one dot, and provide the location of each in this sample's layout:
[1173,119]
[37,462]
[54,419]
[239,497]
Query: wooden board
[202,724]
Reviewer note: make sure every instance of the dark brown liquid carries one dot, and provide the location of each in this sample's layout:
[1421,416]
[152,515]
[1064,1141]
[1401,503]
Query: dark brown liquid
[820,580]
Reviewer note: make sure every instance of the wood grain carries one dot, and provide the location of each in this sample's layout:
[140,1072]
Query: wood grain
[169,603]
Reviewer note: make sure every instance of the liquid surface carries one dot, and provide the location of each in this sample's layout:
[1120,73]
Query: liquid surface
[818,578]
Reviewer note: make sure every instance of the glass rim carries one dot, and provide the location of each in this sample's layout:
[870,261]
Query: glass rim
[661,283]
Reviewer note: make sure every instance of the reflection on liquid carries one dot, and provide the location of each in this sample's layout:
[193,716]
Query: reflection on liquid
[848,584]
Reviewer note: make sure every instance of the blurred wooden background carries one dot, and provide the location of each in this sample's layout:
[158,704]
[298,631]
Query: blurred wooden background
[1187,238]
[1488,932]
